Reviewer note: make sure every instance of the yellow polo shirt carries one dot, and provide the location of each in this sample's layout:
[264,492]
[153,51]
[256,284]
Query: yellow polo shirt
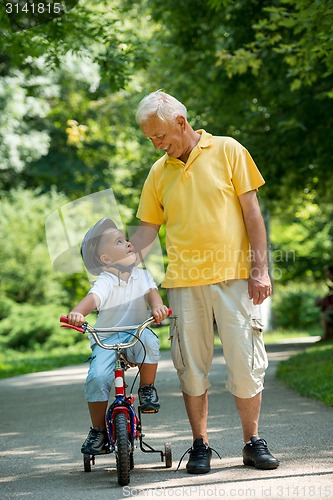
[206,240]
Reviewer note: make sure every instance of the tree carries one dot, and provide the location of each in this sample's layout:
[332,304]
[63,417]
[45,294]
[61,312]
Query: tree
[90,29]
[302,240]
[54,76]
[236,80]
[24,104]
[297,30]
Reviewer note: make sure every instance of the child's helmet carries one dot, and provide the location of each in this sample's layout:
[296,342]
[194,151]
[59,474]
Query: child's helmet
[90,243]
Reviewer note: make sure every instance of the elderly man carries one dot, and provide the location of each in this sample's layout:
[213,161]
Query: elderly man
[204,190]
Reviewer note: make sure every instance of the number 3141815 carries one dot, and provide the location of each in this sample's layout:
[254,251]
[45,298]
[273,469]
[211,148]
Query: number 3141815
[33,8]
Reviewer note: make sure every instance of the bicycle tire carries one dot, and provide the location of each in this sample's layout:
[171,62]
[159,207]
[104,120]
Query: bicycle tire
[122,449]
[131,460]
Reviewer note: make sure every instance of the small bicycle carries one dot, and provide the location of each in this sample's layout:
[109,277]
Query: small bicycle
[123,422]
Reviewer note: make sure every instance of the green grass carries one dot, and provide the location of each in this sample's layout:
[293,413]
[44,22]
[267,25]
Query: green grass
[310,372]
[277,336]
[14,363]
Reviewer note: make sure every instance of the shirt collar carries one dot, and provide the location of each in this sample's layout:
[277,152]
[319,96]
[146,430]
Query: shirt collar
[114,278]
[205,141]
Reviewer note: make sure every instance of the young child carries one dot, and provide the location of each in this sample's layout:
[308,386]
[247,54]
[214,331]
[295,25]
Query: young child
[120,295]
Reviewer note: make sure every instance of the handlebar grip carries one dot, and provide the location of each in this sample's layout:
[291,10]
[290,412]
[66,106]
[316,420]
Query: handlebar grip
[169,311]
[63,319]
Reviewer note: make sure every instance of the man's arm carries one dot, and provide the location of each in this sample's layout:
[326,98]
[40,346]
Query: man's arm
[143,239]
[259,282]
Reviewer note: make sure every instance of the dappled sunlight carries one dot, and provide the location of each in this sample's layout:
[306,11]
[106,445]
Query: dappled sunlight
[9,434]
[18,452]
[42,446]
[62,376]
[280,355]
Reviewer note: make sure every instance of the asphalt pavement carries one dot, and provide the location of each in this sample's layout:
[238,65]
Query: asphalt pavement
[44,420]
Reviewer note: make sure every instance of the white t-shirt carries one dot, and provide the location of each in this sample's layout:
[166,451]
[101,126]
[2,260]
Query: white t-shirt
[122,303]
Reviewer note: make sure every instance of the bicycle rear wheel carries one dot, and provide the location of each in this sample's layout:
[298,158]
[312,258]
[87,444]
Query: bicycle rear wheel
[122,449]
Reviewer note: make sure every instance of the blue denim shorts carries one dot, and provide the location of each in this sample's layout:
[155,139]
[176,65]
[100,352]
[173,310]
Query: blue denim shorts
[100,376]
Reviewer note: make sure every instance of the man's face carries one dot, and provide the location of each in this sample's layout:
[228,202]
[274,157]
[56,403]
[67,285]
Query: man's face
[168,136]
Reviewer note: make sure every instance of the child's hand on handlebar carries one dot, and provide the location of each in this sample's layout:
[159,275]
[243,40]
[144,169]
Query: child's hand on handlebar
[160,312]
[75,318]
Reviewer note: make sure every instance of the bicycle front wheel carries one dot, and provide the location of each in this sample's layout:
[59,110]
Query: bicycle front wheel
[122,449]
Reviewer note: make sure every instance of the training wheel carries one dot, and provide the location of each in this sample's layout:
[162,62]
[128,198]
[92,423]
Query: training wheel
[167,455]
[87,461]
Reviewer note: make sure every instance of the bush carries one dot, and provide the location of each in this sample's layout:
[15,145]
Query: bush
[29,327]
[293,306]
[6,305]
[27,275]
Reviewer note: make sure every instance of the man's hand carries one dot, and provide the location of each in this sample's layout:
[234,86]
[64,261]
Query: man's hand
[259,289]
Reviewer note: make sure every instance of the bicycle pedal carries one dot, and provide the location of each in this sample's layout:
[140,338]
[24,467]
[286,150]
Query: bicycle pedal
[104,451]
[149,411]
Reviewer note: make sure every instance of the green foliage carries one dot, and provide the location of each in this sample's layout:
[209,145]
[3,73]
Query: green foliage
[24,100]
[298,31]
[293,306]
[91,28]
[310,373]
[6,306]
[239,84]
[301,239]
[26,271]
[28,327]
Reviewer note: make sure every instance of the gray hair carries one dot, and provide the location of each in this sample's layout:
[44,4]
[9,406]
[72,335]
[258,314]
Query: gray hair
[166,107]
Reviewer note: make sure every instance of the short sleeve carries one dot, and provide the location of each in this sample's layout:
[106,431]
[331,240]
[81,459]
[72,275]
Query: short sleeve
[102,288]
[245,173]
[150,209]
[147,282]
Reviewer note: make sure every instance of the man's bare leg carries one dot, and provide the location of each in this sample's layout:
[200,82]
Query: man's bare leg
[200,454]
[197,412]
[256,452]
[249,412]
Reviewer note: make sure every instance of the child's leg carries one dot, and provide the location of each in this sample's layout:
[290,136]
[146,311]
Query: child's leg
[147,360]
[97,412]
[98,384]
[147,373]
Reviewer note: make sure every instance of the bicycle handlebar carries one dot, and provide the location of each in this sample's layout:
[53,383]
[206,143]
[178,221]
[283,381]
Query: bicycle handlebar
[86,327]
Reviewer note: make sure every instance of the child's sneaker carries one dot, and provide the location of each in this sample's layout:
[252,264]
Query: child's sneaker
[148,398]
[96,442]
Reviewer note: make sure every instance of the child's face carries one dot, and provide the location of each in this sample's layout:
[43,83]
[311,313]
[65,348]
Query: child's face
[116,249]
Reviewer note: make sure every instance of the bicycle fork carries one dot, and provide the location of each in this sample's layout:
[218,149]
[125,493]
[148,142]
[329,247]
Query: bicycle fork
[121,404]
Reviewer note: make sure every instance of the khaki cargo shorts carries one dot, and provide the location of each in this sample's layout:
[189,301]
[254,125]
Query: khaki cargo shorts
[238,324]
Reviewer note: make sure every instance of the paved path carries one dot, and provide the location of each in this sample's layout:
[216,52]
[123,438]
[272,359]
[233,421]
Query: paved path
[43,422]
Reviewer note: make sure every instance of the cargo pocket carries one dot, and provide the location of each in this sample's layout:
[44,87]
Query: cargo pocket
[259,356]
[176,352]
